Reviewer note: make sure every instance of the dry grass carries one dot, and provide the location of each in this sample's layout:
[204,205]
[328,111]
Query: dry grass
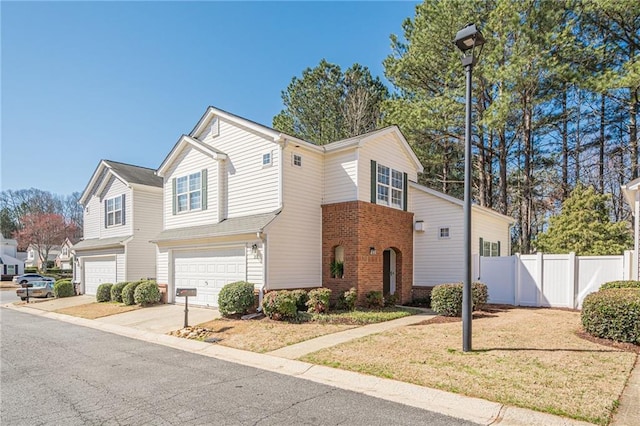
[530,358]
[97,310]
[265,335]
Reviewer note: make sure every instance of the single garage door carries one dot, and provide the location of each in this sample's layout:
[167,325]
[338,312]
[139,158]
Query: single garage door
[208,271]
[98,271]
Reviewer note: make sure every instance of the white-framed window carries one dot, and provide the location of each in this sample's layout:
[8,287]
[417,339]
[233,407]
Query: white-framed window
[114,211]
[65,251]
[267,159]
[297,160]
[490,248]
[444,233]
[189,192]
[390,187]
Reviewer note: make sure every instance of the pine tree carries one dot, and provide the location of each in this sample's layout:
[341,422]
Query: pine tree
[584,227]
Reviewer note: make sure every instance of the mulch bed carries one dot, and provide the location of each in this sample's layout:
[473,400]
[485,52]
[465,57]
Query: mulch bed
[627,347]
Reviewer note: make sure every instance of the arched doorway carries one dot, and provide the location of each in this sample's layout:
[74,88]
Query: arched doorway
[389,271]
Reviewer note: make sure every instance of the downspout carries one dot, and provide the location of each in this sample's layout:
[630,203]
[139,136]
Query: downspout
[261,289]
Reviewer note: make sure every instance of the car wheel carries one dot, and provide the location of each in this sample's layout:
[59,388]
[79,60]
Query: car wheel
[49,295]
[24,282]
[23,298]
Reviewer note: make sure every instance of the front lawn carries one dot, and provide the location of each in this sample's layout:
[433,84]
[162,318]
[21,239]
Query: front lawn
[97,310]
[265,335]
[532,358]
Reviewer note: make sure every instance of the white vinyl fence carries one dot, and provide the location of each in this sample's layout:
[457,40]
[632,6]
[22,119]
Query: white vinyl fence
[552,280]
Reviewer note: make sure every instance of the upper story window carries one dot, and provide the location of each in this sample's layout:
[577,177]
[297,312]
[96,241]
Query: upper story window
[267,159]
[65,251]
[390,187]
[188,192]
[114,211]
[297,160]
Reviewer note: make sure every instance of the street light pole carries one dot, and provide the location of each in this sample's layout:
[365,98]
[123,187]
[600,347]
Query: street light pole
[466,40]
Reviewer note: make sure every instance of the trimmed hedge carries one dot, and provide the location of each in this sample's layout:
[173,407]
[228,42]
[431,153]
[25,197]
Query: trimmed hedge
[236,298]
[146,293]
[128,293]
[104,292]
[116,291]
[374,300]
[613,313]
[446,299]
[63,288]
[280,305]
[319,299]
[620,284]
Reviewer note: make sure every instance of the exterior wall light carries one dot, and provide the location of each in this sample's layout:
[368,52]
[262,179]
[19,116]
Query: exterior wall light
[372,250]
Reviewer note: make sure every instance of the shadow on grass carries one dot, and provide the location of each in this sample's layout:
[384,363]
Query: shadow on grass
[545,350]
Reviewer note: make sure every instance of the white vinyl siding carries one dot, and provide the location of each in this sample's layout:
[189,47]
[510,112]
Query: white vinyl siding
[385,150]
[250,187]
[255,262]
[191,161]
[92,218]
[162,266]
[438,260]
[294,246]
[340,177]
[141,253]
[116,188]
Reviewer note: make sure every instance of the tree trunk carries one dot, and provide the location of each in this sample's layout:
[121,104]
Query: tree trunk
[602,143]
[565,147]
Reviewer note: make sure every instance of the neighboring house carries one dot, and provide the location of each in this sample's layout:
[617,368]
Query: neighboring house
[64,259]
[33,257]
[10,265]
[122,212]
[632,195]
[245,202]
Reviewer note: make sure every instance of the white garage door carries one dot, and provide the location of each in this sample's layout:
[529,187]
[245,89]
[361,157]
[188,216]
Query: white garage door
[208,271]
[98,271]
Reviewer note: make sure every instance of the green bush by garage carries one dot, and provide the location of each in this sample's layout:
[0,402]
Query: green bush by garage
[103,294]
[63,288]
[146,293]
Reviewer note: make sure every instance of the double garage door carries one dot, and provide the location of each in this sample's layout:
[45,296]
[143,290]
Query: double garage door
[98,271]
[208,271]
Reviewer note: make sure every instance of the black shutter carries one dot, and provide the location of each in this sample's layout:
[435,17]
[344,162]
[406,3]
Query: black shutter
[173,195]
[124,210]
[481,247]
[203,194]
[405,187]
[374,181]
[498,248]
[105,213]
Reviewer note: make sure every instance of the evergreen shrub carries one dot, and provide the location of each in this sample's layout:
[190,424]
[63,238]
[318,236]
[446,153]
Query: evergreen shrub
[63,288]
[319,299]
[104,292]
[146,293]
[128,292]
[236,298]
[280,305]
[116,291]
[613,313]
[446,299]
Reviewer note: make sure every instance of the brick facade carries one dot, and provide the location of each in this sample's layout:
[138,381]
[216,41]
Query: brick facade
[357,226]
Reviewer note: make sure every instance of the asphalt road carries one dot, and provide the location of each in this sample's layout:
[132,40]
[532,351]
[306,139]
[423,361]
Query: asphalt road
[8,295]
[59,373]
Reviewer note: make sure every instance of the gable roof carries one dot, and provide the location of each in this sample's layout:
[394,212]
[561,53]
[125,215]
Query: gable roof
[127,173]
[460,203]
[360,140]
[183,142]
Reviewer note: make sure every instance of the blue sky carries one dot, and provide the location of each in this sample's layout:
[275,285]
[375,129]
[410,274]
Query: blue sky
[85,81]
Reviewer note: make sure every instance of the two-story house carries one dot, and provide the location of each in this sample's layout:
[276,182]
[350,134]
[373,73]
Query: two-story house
[64,258]
[243,201]
[122,212]
[10,265]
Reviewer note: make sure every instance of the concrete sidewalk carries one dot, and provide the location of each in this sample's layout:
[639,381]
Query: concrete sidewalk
[146,326]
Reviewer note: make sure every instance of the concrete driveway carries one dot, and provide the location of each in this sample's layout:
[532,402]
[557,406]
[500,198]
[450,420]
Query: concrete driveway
[161,318]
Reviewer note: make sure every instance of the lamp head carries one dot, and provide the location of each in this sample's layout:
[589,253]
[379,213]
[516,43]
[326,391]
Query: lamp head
[468,38]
